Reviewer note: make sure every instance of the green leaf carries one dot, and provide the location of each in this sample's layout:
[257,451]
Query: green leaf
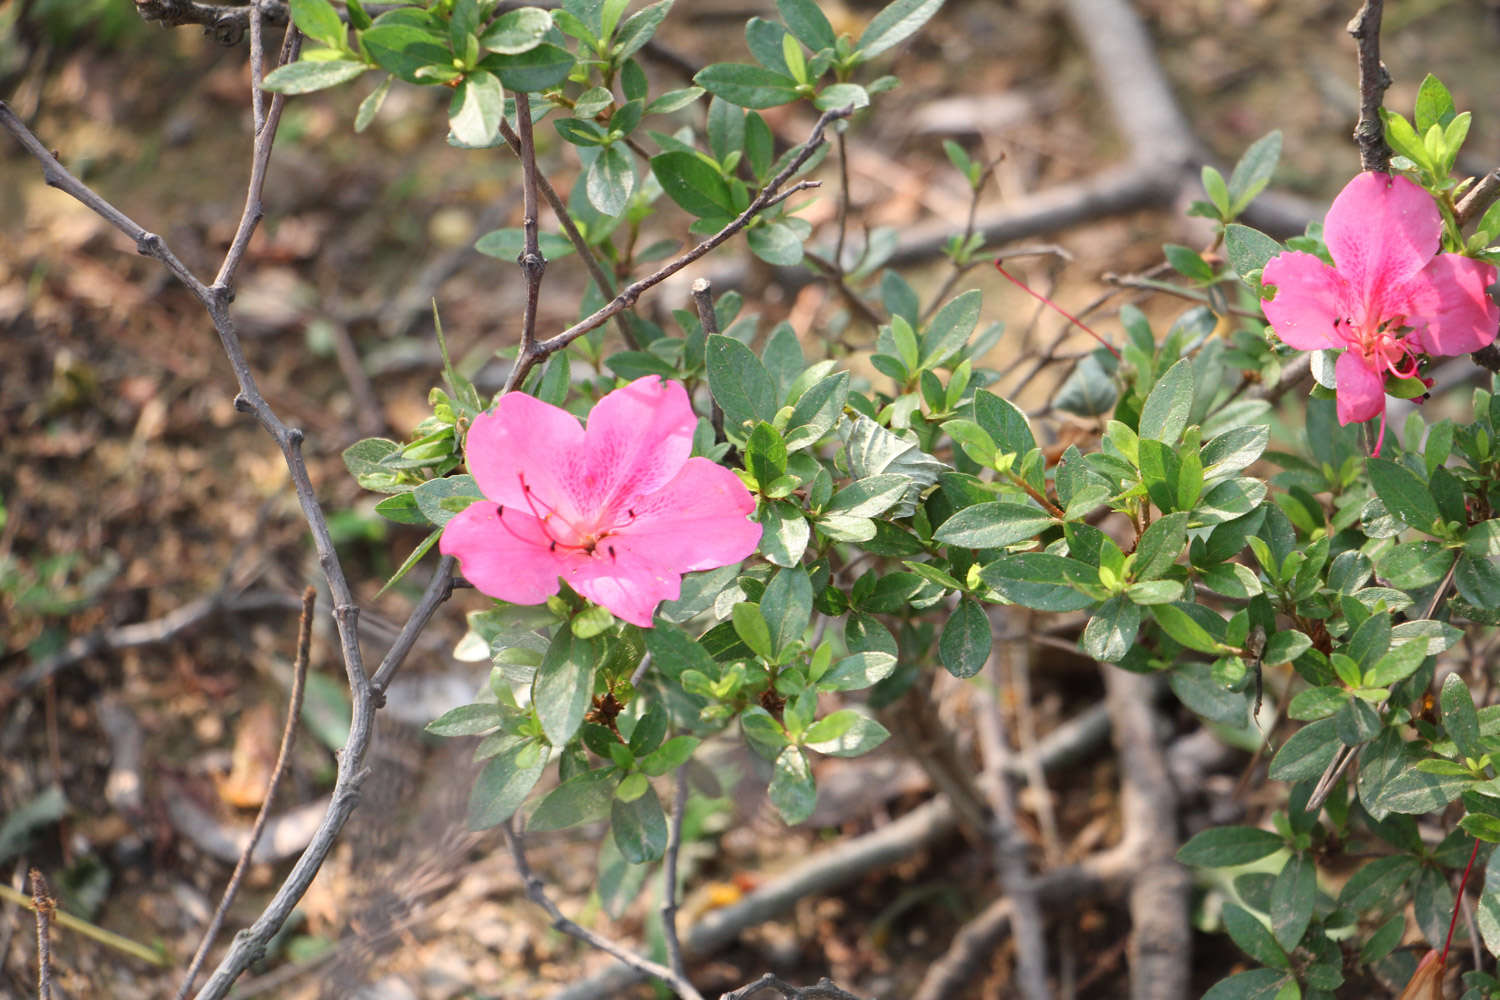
[466,720]
[564,686]
[1228,846]
[1189,626]
[1460,719]
[845,733]
[476,109]
[440,499]
[1249,250]
[1089,390]
[1253,938]
[786,606]
[370,106]
[669,756]
[1307,753]
[503,785]
[894,24]
[1293,895]
[1165,412]
[842,95]
[304,77]
[1253,172]
[792,790]
[1111,632]
[951,328]
[993,525]
[517,31]
[965,643]
[1378,884]
[776,243]
[1402,492]
[1477,581]
[785,532]
[1257,984]
[1488,915]
[534,70]
[1434,104]
[611,180]
[640,827]
[1160,545]
[318,19]
[41,810]
[740,383]
[583,798]
[1041,580]
[694,183]
[1218,193]
[807,23]
[640,29]
[747,86]
[423,547]
[751,627]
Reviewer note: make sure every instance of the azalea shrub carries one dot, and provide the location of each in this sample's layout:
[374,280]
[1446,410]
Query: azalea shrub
[697,531]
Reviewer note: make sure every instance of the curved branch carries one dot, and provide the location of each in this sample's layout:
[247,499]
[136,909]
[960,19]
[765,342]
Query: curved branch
[1369,133]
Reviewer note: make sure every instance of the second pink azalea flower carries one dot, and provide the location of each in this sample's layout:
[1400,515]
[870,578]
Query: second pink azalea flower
[618,509]
[1389,296]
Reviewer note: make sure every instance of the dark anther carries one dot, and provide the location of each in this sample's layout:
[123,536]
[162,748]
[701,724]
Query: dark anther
[611,549]
[552,546]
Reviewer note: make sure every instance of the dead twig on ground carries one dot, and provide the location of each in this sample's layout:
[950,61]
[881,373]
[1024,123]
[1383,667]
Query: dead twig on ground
[1161,933]
[823,989]
[43,907]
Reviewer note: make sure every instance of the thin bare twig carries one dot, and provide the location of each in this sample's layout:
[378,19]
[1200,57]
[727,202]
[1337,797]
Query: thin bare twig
[537,893]
[278,771]
[265,135]
[533,264]
[669,875]
[823,989]
[1369,133]
[770,195]
[1478,199]
[570,229]
[44,906]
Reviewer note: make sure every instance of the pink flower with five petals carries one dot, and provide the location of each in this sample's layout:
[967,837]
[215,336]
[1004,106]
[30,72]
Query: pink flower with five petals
[1389,296]
[618,509]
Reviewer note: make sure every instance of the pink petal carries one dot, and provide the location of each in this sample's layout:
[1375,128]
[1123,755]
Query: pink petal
[638,437]
[510,561]
[629,586]
[697,521]
[1360,388]
[1450,307]
[1310,295]
[522,435]
[1381,231]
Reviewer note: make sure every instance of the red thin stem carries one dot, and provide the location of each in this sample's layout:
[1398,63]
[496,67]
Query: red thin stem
[1055,307]
[1459,901]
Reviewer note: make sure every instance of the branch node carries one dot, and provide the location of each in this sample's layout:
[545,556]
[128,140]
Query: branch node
[294,436]
[148,245]
[243,404]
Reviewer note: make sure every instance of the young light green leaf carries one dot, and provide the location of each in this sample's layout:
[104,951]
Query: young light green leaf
[304,77]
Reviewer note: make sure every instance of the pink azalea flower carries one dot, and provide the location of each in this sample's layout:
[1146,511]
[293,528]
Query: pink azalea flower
[618,510]
[1389,296]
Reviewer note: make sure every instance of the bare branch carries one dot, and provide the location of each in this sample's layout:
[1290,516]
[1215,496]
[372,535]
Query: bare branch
[44,906]
[824,989]
[669,874]
[769,195]
[1369,133]
[533,264]
[537,893]
[278,771]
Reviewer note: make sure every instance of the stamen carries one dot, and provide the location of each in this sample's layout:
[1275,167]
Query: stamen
[1048,302]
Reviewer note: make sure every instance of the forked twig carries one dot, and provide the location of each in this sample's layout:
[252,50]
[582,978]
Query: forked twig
[537,893]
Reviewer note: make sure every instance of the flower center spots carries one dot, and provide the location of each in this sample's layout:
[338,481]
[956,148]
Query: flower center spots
[561,533]
[1386,346]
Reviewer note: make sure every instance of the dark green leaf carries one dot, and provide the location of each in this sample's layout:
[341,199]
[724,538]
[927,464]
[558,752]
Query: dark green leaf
[1257,984]
[534,70]
[640,827]
[1253,172]
[807,22]
[1111,632]
[747,86]
[504,784]
[1402,492]
[965,643]
[476,109]
[792,791]
[517,31]
[1254,939]
[1165,412]
[1249,250]
[610,180]
[1228,846]
[1307,753]
[583,798]
[564,685]
[993,525]
[740,383]
[1460,719]
[1293,895]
